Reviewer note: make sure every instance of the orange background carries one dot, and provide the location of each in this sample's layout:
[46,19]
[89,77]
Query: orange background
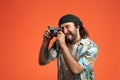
[22,23]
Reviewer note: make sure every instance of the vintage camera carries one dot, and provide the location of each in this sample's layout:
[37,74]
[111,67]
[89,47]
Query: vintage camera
[53,31]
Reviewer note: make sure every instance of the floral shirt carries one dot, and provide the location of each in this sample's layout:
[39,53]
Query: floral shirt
[85,52]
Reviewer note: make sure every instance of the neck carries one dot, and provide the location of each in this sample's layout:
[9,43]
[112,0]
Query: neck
[78,38]
[76,41]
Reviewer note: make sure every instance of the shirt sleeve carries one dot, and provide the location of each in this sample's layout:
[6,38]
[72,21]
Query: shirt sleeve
[88,58]
[53,52]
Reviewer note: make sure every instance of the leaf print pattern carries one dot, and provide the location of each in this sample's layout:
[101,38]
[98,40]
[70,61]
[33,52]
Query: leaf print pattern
[86,54]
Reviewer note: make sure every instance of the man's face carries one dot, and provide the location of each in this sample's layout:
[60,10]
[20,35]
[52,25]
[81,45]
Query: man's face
[70,31]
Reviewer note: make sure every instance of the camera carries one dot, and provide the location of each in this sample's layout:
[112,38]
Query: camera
[53,31]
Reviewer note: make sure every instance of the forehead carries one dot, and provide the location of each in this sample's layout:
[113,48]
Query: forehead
[66,24]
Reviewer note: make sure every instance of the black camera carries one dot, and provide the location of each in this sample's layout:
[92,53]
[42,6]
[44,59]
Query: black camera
[53,31]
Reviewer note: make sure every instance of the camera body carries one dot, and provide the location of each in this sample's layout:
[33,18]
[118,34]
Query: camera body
[53,31]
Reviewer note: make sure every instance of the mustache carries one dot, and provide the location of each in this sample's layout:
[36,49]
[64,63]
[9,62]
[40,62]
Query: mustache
[69,33]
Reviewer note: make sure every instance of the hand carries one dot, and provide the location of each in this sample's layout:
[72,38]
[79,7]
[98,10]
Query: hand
[46,36]
[61,39]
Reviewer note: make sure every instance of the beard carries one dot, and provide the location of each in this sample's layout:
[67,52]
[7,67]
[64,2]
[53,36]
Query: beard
[70,37]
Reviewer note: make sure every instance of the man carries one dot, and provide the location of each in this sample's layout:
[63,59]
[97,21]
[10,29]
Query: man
[75,51]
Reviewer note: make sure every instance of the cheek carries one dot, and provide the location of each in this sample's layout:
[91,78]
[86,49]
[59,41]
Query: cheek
[74,31]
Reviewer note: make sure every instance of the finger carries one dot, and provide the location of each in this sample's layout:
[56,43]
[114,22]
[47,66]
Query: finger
[47,30]
[47,36]
[60,32]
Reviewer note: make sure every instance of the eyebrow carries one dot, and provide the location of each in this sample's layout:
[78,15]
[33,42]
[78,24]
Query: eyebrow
[65,25]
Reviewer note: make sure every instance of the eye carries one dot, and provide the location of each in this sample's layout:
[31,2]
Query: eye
[61,28]
[67,26]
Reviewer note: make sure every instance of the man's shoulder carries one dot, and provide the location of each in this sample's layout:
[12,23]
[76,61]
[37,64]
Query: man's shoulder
[87,42]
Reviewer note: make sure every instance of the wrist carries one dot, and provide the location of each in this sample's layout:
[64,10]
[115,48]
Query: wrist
[63,45]
[46,43]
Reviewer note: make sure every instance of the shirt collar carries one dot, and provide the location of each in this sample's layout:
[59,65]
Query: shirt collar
[84,41]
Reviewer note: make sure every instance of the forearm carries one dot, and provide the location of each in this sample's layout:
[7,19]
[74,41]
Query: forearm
[43,54]
[73,65]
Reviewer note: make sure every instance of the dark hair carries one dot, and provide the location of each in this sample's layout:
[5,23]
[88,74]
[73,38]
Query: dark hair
[83,31]
[77,22]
